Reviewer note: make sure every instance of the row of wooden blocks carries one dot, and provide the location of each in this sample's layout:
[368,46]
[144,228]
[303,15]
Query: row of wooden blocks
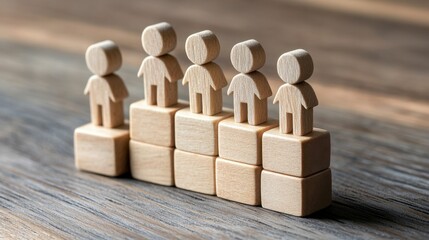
[213,155]
[241,156]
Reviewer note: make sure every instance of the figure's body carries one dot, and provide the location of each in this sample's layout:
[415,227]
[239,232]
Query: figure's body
[205,78]
[296,98]
[251,91]
[250,87]
[106,96]
[160,76]
[160,70]
[205,88]
[296,108]
[106,90]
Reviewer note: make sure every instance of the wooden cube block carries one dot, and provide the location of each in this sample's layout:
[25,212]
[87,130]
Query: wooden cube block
[238,182]
[152,163]
[153,124]
[194,172]
[242,142]
[298,156]
[198,133]
[102,150]
[294,195]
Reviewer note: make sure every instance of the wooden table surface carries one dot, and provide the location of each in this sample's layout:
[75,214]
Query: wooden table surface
[371,77]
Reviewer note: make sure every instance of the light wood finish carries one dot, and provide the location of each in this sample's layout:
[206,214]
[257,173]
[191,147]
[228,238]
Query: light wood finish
[296,104]
[103,58]
[297,100]
[250,97]
[194,172]
[202,47]
[153,124]
[205,88]
[295,66]
[198,133]
[296,196]
[242,142]
[106,95]
[298,156]
[152,163]
[160,71]
[102,150]
[238,181]
[160,76]
[159,39]
[205,78]
[250,88]
[247,56]
[378,124]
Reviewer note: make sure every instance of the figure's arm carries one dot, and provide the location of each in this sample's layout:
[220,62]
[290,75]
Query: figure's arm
[232,84]
[172,69]
[88,85]
[141,70]
[260,84]
[280,93]
[308,96]
[116,88]
[188,74]
[217,78]
[186,77]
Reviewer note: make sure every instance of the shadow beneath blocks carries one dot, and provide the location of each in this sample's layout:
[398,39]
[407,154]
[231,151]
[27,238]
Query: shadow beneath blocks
[363,212]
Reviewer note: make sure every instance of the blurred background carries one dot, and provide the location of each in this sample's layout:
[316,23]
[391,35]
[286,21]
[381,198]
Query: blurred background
[371,57]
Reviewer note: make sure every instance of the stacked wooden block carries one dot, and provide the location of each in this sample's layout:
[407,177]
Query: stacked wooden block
[296,178]
[238,168]
[197,126]
[244,157]
[102,146]
[152,120]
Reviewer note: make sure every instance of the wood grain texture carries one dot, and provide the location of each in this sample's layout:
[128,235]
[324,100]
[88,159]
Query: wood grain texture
[242,142]
[205,88]
[293,155]
[295,66]
[362,55]
[247,56]
[106,100]
[202,47]
[160,76]
[160,70]
[103,58]
[106,90]
[102,150]
[159,39]
[152,163]
[296,103]
[250,97]
[198,133]
[195,172]
[250,87]
[153,124]
[238,182]
[294,195]
[205,78]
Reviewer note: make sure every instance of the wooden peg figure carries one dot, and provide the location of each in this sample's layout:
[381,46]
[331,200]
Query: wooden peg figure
[106,90]
[250,87]
[160,70]
[205,78]
[296,98]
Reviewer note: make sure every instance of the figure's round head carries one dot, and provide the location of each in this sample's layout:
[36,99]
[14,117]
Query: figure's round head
[159,39]
[295,66]
[103,58]
[202,47]
[247,56]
